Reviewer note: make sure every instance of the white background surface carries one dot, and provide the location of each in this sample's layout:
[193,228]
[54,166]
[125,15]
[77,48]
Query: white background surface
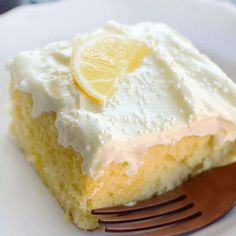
[26,207]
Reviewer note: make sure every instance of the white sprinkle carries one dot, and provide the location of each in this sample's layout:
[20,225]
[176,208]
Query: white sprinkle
[225,90]
[178,86]
[190,119]
[188,100]
[23,84]
[88,148]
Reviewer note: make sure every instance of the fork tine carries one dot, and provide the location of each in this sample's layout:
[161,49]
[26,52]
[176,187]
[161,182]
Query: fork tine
[151,213]
[187,226]
[155,223]
[169,197]
[198,221]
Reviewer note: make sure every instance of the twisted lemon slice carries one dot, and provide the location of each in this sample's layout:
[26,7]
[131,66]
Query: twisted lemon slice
[100,62]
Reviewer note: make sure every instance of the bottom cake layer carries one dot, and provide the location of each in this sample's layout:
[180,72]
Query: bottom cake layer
[164,168]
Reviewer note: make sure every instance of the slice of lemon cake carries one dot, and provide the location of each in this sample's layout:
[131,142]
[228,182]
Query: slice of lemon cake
[120,114]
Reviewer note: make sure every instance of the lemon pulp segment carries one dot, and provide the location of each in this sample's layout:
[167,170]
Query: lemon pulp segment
[100,63]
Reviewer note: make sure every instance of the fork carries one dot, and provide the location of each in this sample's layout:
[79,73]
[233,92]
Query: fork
[197,203]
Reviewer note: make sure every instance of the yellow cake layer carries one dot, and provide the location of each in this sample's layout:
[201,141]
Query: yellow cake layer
[164,168]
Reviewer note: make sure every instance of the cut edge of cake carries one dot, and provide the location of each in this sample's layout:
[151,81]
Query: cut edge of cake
[164,167]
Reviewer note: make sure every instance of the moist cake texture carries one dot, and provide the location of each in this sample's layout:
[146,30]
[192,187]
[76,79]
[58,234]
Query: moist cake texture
[169,119]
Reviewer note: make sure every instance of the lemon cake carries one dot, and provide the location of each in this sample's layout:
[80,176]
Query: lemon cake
[119,115]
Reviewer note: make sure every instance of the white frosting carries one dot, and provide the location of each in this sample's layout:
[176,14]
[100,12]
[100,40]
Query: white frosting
[176,92]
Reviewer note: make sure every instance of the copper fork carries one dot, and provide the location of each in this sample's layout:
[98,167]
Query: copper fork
[197,203]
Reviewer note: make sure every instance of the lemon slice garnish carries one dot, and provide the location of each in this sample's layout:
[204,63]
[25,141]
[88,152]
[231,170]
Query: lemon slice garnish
[99,63]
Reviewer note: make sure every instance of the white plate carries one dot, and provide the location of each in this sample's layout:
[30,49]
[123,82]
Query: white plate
[26,206]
